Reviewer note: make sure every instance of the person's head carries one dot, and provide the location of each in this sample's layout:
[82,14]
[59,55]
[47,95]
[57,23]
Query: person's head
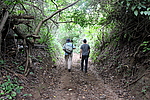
[67,40]
[84,41]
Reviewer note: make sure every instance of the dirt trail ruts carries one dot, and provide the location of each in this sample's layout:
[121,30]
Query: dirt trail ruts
[76,85]
[59,84]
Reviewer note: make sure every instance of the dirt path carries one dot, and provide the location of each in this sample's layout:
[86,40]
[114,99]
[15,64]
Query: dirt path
[59,84]
[77,85]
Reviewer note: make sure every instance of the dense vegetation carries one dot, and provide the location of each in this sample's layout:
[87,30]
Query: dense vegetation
[117,30]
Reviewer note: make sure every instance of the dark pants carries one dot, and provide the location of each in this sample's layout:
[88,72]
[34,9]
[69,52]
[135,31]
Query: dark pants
[84,59]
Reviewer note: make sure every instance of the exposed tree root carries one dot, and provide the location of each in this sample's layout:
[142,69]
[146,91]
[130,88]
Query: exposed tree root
[137,79]
[20,76]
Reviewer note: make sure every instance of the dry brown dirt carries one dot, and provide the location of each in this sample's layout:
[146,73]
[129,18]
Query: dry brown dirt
[56,83]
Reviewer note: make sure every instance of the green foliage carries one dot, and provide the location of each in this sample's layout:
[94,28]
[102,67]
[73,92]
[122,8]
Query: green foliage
[48,39]
[138,7]
[15,62]
[31,73]
[95,56]
[102,21]
[18,12]
[2,62]
[127,16]
[12,2]
[144,89]
[80,18]
[27,95]
[145,46]
[9,88]
[21,68]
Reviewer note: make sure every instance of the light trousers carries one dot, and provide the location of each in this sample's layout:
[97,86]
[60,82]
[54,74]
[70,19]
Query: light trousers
[68,60]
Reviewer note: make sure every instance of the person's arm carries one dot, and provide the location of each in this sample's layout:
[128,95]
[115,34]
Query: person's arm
[89,51]
[80,53]
[74,47]
[63,47]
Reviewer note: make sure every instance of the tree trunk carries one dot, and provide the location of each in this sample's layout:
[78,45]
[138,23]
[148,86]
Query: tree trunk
[17,31]
[4,19]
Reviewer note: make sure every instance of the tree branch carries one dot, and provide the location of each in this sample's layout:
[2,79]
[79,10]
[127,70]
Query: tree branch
[55,4]
[23,17]
[44,20]
[66,22]
[16,30]
[36,8]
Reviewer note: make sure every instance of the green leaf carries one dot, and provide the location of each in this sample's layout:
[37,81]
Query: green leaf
[135,12]
[31,73]
[139,7]
[21,87]
[128,4]
[133,8]
[2,62]
[7,2]
[147,12]
[142,12]
[144,50]
[13,94]
[2,93]
[143,6]
[18,90]
[143,90]
[30,56]
[9,97]
[122,2]
[146,42]
[25,95]
[20,12]
[30,94]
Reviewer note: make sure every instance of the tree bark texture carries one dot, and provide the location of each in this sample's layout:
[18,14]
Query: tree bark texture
[3,21]
[22,36]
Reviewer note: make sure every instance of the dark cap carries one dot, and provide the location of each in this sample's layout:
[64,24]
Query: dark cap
[67,40]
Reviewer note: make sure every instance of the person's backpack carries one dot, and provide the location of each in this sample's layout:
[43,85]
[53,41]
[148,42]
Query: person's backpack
[68,48]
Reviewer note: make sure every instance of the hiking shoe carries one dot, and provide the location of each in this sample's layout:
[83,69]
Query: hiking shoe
[69,70]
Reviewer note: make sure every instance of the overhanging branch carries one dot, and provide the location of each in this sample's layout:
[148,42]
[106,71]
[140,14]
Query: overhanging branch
[44,20]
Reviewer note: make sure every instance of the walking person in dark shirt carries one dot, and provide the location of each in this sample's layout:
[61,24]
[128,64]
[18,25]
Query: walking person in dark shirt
[84,55]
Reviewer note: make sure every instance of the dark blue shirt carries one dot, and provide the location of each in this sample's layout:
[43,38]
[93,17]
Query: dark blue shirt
[85,49]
